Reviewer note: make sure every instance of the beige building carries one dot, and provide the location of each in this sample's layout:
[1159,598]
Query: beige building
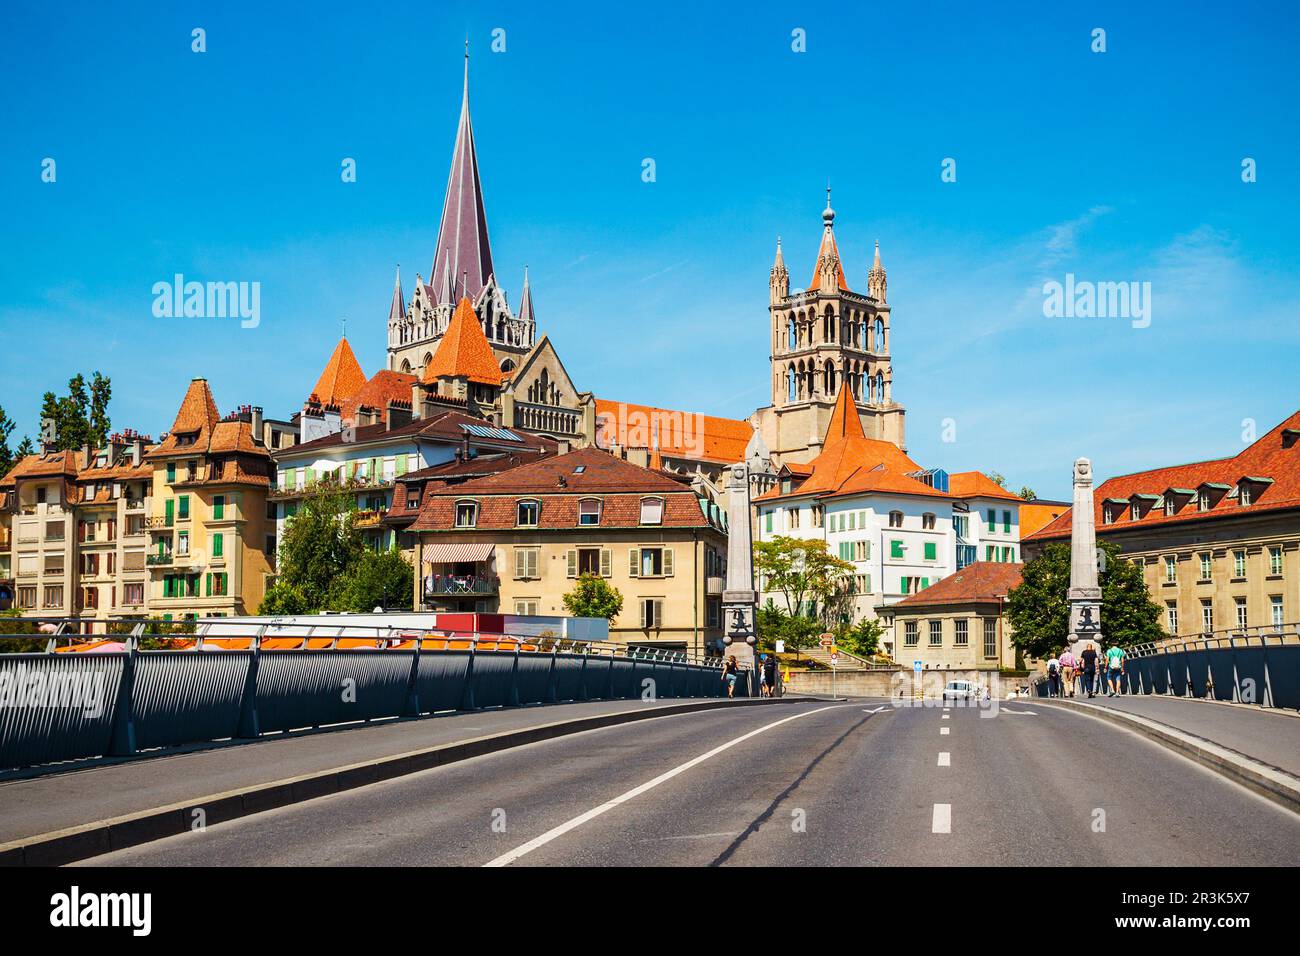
[957,623]
[1218,541]
[824,336]
[208,526]
[517,541]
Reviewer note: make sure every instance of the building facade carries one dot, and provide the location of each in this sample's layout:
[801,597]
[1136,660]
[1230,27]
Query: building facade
[1218,541]
[517,542]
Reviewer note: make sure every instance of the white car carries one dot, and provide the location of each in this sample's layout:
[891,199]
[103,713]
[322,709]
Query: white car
[962,690]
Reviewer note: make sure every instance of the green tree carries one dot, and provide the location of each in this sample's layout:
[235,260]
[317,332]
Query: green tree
[802,570]
[25,448]
[593,596]
[81,416]
[1027,493]
[320,544]
[7,458]
[772,624]
[998,479]
[1039,610]
[382,579]
[101,390]
[861,639]
[13,622]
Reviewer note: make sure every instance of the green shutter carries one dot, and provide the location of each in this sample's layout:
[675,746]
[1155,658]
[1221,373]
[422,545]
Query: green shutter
[171,472]
[170,511]
[993,519]
[769,522]
[1006,522]
[931,551]
[184,511]
[209,584]
[218,545]
[895,549]
[218,507]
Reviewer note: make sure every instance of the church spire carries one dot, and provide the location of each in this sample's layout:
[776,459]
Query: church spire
[398,309]
[828,275]
[780,278]
[876,284]
[463,249]
[526,301]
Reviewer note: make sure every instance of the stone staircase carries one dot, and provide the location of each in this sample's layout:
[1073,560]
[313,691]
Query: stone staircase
[847,662]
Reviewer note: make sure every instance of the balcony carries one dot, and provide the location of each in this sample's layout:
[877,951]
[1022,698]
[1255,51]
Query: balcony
[713,586]
[134,504]
[368,519]
[441,585]
[160,560]
[548,418]
[157,522]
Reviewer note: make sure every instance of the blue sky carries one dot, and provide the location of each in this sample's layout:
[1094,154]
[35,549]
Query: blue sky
[1115,166]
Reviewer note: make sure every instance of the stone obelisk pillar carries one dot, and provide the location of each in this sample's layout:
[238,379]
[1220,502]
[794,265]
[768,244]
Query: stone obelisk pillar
[1085,592]
[739,599]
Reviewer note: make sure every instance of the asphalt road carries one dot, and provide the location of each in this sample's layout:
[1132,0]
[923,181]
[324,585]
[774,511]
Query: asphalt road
[807,784]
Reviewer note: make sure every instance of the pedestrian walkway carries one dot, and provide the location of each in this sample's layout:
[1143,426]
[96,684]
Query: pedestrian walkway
[1265,734]
[105,790]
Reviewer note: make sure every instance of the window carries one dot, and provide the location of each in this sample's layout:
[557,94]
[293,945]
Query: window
[959,637]
[650,562]
[1203,501]
[768,518]
[54,531]
[1107,515]
[896,519]
[989,552]
[133,594]
[526,606]
[589,561]
[931,551]
[589,511]
[652,613]
[27,598]
[466,514]
[794,516]
[412,498]
[183,543]
[1241,612]
[171,472]
[1207,615]
[714,619]
[218,545]
[959,525]
[1006,522]
[183,507]
[1275,603]
[993,519]
[652,511]
[936,633]
[896,549]
[526,563]
[527,513]
[909,633]
[53,597]
[1171,617]
[1171,568]
[990,637]
[218,508]
[1275,560]
[927,521]
[1243,494]
[1239,564]
[1169,506]
[818,513]
[1205,566]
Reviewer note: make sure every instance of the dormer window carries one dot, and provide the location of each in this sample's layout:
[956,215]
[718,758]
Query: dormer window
[652,511]
[1107,514]
[527,513]
[466,514]
[589,511]
[1203,501]
[1170,507]
[1243,494]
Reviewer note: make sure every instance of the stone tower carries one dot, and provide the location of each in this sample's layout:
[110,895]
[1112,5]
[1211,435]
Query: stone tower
[823,336]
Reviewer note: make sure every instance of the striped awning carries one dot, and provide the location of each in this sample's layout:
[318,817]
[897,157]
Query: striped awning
[450,553]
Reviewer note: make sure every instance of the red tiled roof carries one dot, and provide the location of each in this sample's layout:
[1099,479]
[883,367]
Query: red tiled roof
[463,351]
[1037,514]
[980,582]
[851,464]
[1276,455]
[976,484]
[53,465]
[197,415]
[342,377]
[720,440]
[384,386]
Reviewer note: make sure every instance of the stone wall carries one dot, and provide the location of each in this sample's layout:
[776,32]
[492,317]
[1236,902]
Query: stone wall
[885,683]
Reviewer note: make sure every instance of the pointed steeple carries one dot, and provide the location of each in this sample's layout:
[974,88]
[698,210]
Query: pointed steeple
[845,424]
[876,277]
[397,310]
[828,274]
[446,291]
[342,377]
[526,301]
[464,351]
[463,257]
[779,282]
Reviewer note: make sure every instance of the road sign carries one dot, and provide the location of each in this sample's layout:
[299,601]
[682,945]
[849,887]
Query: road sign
[780,647]
[827,640]
[834,658]
[916,666]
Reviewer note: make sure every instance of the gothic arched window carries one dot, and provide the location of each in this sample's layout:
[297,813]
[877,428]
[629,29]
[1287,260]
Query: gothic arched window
[790,384]
[880,336]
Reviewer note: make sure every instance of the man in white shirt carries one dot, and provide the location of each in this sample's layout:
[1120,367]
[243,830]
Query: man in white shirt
[1053,676]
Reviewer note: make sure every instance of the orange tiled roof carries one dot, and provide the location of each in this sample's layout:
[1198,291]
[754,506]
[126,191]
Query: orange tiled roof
[976,484]
[342,377]
[1275,456]
[198,414]
[722,440]
[384,386]
[464,351]
[65,463]
[1038,514]
[982,581]
[851,464]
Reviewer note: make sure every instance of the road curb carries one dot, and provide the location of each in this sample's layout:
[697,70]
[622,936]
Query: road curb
[69,845]
[1266,780]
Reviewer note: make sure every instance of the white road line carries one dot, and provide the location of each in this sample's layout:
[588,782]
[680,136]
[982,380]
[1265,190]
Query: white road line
[945,759]
[1021,713]
[942,821]
[944,731]
[506,859]
[946,716]
[876,711]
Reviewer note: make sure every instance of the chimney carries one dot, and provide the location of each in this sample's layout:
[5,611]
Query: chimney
[86,451]
[257,425]
[464,444]
[417,400]
[137,449]
[398,413]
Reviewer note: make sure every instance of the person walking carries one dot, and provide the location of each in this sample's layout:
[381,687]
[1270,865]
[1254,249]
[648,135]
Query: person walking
[770,674]
[729,674]
[1115,662]
[1088,666]
[1068,664]
[1053,676]
[763,686]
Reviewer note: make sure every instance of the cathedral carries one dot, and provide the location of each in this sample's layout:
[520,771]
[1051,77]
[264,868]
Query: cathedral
[826,337]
